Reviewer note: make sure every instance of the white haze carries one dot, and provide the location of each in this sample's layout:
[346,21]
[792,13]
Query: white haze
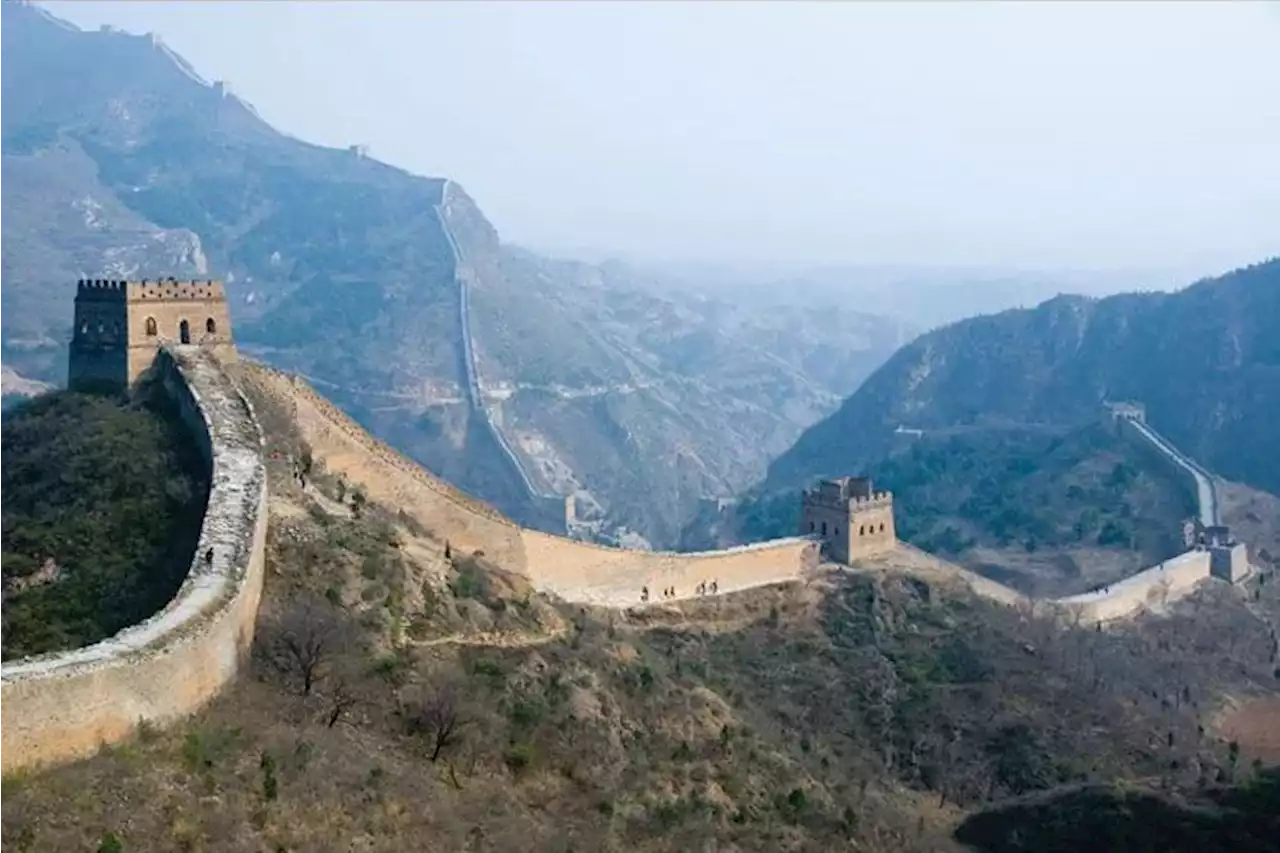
[1081,137]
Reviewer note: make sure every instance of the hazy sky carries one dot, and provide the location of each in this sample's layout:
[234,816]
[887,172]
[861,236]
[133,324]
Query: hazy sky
[1007,134]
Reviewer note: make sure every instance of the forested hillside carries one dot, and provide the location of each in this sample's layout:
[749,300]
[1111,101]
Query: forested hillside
[103,500]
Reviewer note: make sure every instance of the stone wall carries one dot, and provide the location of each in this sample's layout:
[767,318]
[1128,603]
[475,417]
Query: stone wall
[575,570]
[99,337]
[1147,590]
[387,476]
[1229,562]
[1199,491]
[596,574]
[64,705]
[871,528]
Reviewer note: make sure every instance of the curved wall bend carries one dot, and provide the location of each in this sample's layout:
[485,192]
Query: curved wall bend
[66,704]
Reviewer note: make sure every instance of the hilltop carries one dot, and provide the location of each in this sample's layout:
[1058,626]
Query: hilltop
[455,703]
[120,161]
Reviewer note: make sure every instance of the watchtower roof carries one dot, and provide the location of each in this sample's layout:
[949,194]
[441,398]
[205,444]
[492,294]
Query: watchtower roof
[844,488]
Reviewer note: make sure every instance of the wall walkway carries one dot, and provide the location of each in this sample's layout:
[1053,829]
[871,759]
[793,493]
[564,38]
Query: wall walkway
[465,274]
[64,705]
[1201,481]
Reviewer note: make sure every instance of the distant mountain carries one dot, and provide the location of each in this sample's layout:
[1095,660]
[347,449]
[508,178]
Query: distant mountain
[924,296]
[1205,360]
[119,161]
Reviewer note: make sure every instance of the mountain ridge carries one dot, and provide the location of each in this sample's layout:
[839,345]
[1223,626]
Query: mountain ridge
[338,267]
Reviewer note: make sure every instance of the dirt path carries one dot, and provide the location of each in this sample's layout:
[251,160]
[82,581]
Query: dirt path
[491,640]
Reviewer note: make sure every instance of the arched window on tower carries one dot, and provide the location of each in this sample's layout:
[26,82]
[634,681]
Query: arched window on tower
[210,326]
[184,332]
[862,531]
[151,327]
[824,528]
[882,527]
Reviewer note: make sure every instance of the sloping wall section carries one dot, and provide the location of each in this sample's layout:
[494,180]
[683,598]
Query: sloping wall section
[576,571]
[64,705]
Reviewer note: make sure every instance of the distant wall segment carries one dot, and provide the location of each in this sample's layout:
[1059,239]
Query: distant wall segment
[64,705]
[1150,589]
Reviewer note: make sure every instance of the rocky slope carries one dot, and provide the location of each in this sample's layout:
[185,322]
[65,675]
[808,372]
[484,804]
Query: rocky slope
[119,160]
[1204,360]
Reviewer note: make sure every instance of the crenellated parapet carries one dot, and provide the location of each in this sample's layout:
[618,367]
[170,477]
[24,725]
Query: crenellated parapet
[161,289]
[101,290]
[878,499]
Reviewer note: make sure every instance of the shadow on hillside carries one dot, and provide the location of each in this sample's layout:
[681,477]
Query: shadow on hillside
[1241,819]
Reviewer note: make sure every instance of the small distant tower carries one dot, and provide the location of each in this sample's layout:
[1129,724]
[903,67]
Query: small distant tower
[1115,413]
[120,325]
[852,519]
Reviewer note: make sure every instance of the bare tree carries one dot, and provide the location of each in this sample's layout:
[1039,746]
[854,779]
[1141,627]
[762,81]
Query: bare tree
[303,638]
[437,717]
[342,695]
[303,466]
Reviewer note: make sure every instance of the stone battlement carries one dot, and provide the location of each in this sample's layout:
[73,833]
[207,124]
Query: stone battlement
[576,571]
[160,290]
[877,499]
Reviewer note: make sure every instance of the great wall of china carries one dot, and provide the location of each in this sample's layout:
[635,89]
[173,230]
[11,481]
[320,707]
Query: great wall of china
[60,706]
[576,571]
[465,275]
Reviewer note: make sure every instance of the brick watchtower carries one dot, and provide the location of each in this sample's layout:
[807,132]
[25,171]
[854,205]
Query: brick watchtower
[119,326]
[852,518]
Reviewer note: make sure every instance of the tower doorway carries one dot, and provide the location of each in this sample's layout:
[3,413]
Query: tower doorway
[184,332]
